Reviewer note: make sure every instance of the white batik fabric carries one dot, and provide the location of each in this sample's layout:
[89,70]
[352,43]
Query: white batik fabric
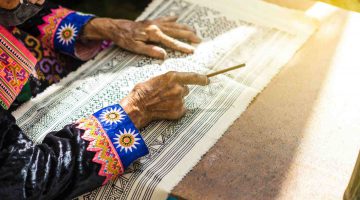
[262,35]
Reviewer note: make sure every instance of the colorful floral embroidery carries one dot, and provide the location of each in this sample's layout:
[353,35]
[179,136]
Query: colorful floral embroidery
[112,116]
[52,65]
[115,139]
[66,34]
[105,153]
[51,22]
[12,79]
[16,65]
[68,30]
[61,28]
[127,140]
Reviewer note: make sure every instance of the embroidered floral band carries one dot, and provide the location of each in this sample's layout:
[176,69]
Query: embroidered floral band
[114,138]
[16,64]
[68,30]
[61,28]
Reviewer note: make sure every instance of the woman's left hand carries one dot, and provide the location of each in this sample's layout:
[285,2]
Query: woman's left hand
[136,36]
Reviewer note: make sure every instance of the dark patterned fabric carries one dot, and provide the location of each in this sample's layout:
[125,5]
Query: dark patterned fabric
[51,37]
[51,66]
[76,159]
[59,168]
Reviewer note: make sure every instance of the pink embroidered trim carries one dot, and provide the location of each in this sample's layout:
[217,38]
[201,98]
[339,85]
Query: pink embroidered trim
[51,23]
[106,155]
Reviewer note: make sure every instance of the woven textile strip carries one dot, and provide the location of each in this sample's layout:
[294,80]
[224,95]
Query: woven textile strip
[262,35]
[16,64]
[114,138]
[99,143]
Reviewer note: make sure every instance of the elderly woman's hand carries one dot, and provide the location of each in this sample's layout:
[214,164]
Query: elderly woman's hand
[136,36]
[161,97]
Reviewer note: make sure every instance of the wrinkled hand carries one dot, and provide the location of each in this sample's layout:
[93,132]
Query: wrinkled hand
[160,98]
[136,36]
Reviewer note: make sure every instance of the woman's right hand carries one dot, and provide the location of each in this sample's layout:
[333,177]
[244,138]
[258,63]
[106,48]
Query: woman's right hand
[161,97]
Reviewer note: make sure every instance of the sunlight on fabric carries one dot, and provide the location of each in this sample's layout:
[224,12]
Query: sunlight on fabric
[321,11]
[327,154]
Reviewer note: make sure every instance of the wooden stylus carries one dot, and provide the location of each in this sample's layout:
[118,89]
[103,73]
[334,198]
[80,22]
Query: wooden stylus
[226,70]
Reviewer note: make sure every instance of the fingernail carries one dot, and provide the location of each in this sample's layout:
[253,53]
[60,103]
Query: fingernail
[191,49]
[197,40]
[165,56]
[160,51]
[207,80]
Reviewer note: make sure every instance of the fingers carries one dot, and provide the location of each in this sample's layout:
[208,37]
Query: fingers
[38,2]
[186,91]
[167,19]
[176,91]
[149,50]
[189,78]
[141,36]
[170,42]
[181,34]
[173,115]
[164,30]
[178,26]
[169,105]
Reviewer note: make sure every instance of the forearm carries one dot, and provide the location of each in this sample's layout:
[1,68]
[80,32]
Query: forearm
[104,28]
[91,30]
[77,159]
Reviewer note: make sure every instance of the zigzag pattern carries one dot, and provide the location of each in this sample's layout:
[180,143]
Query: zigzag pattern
[51,22]
[106,155]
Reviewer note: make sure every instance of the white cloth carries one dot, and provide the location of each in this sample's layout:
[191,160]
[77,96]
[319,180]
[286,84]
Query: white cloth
[262,35]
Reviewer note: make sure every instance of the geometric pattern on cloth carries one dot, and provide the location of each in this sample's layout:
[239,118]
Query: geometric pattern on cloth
[16,65]
[233,32]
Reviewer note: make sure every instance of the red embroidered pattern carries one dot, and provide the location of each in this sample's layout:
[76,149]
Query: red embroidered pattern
[106,155]
[52,21]
[16,64]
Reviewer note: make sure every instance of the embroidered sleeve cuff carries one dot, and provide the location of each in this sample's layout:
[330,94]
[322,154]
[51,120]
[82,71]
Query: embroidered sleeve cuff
[67,34]
[114,138]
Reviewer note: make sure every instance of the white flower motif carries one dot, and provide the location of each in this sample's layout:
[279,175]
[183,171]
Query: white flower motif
[127,140]
[66,34]
[112,116]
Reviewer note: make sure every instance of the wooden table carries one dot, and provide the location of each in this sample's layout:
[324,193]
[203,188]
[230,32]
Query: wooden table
[300,137]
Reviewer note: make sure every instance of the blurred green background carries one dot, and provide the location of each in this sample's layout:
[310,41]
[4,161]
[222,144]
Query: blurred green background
[124,9]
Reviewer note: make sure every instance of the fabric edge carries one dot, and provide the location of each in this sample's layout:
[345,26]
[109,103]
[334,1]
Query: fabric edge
[169,182]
